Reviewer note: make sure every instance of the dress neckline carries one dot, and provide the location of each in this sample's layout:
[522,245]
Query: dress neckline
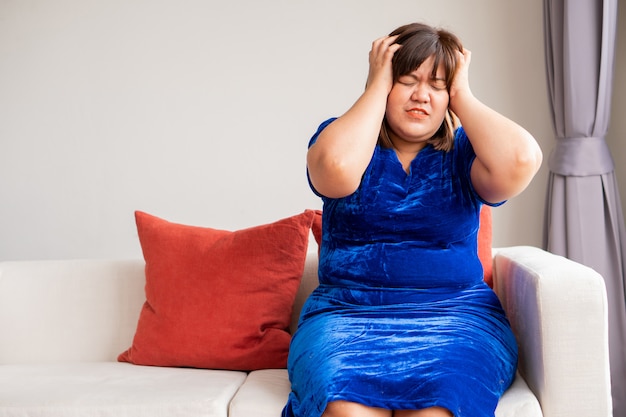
[393,155]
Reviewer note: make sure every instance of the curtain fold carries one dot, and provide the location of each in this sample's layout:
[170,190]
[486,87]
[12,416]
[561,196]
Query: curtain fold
[584,219]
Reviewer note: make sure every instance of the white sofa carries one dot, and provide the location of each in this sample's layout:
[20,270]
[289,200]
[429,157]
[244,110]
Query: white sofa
[63,324]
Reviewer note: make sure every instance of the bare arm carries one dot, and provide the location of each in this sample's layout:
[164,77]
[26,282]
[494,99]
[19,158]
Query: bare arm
[507,156]
[343,150]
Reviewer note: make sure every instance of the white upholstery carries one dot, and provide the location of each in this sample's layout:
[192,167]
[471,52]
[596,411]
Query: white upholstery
[558,310]
[114,389]
[63,323]
[68,311]
[262,395]
[518,401]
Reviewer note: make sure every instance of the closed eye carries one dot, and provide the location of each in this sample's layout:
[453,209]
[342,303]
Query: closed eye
[439,84]
[407,80]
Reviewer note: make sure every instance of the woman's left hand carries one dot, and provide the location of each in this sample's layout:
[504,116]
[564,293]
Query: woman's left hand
[460,85]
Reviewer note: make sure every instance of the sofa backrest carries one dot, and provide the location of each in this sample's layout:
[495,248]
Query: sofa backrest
[68,311]
[81,310]
[307,285]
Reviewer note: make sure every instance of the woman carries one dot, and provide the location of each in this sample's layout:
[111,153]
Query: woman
[402,323]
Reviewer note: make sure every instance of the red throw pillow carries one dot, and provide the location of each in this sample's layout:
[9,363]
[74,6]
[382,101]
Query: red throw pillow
[218,299]
[485,232]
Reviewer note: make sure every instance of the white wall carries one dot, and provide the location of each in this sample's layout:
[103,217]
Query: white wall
[200,111]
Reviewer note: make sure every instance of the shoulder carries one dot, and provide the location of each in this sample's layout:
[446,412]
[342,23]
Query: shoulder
[460,137]
[462,145]
[321,127]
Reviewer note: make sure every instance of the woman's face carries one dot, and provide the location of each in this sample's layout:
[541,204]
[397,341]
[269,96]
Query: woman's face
[416,105]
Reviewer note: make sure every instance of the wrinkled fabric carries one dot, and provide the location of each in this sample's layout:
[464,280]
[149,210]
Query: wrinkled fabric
[402,318]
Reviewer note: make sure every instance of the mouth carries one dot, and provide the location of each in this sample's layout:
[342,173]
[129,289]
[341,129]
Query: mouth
[417,113]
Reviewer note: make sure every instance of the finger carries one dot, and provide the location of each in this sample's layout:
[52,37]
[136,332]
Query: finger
[388,39]
[468,56]
[384,42]
[383,49]
[465,56]
[391,39]
[393,48]
[389,46]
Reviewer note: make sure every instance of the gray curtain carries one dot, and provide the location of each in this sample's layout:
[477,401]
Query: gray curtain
[584,220]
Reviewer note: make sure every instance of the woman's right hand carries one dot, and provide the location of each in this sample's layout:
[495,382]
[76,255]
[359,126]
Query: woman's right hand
[380,56]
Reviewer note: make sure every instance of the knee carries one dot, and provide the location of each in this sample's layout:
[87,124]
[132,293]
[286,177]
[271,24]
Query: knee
[351,409]
[337,409]
[426,412]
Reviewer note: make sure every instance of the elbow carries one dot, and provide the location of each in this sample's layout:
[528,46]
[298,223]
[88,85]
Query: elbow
[530,161]
[525,160]
[333,178]
[510,177]
[526,166]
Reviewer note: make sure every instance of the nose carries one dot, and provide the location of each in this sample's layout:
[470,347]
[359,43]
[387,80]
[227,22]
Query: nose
[420,93]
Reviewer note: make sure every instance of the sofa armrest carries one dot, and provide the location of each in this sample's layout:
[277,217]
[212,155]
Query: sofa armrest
[558,311]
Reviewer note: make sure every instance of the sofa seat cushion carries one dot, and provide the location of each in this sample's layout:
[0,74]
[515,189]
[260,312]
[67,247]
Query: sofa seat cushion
[265,392]
[115,389]
[518,401]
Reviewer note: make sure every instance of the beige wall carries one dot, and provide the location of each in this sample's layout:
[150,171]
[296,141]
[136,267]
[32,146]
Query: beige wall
[200,111]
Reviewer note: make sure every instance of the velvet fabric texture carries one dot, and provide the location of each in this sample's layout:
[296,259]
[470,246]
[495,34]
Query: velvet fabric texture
[219,299]
[402,318]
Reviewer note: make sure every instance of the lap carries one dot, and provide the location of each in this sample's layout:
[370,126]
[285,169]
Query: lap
[450,352]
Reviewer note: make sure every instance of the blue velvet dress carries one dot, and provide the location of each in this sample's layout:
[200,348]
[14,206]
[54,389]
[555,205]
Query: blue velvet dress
[402,318]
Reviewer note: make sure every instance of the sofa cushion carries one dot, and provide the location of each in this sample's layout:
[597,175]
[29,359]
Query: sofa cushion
[115,389]
[218,299]
[518,401]
[264,394]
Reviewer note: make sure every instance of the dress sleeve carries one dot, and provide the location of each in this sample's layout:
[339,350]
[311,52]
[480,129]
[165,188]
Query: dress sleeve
[321,127]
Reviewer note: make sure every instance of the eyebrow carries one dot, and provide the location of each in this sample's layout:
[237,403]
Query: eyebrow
[410,74]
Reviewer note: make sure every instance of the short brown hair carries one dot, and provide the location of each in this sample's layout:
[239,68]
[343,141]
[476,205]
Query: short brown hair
[419,42]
